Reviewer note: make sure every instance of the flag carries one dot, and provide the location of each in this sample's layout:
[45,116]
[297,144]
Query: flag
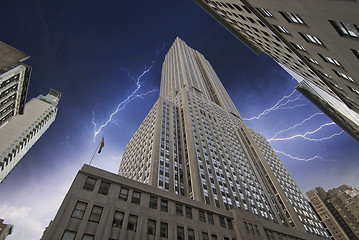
[102,144]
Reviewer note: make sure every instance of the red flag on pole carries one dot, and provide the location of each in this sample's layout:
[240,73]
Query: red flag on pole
[102,144]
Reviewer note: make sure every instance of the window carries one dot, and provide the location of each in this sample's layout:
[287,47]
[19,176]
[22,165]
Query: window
[79,210]
[68,235]
[265,12]
[132,223]
[292,17]
[89,184]
[312,39]
[282,29]
[222,222]
[164,205]
[202,217]
[205,236]
[136,197]
[325,74]
[95,214]
[353,90]
[151,229]
[164,230]
[214,237]
[123,194]
[88,237]
[210,218]
[179,211]
[153,202]
[344,76]
[312,60]
[356,52]
[299,47]
[229,222]
[190,234]
[118,219]
[104,187]
[188,212]
[345,29]
[330,60]
[180,233]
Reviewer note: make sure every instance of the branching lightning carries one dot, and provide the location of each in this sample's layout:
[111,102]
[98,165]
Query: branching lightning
[129,98]
[304,136]
[297,158]
[275,107]
[296,125]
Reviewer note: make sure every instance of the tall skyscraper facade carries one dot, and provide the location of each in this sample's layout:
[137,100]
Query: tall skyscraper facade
[14,81]
[195,144]
[193,170]
[314,41]
[22,132]
[338,209]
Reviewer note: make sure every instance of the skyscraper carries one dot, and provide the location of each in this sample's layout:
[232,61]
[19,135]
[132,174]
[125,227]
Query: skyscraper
[14,81]
[194,143]
[193,170]
[314,41]
[5,229]
[21,133]
[338,209]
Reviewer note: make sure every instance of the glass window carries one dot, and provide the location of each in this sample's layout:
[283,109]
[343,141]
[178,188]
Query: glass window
[89,184]
[123,194]
[136,197]
[164,230]
[282,29]
[292,17]
[222,222]
[164,205]
[205,236]
[104,187]
[210,218]
[132,223]
[179,211]
[151,229]
[79,210]
[153,202]
[229,222]
[118,219]
[346,29]
[88,237]
[356,52]
[214,237]
[190,234]
[68,235]
[299,47]
[202,217]
[180,233]
[330,60]
[340,74]
[188,212]
[312,39]
[265,12]
[95,214]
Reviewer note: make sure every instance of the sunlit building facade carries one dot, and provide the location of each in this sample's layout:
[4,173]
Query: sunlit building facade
[314,41]
[195,144]
[22,132]
[14,81]
[338,209]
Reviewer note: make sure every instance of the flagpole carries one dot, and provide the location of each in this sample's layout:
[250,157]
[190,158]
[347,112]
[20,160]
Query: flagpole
[95,152]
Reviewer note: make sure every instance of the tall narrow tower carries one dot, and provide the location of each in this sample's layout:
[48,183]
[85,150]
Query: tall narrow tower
[195,144]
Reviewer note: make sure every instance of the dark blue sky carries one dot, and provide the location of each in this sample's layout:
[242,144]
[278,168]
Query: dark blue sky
[80,49]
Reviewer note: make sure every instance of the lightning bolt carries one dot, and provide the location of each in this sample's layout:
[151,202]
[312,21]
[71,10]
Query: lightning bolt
[292,107]
[297,158]
[296,125]
[129,98]
[275,107]
[304,136]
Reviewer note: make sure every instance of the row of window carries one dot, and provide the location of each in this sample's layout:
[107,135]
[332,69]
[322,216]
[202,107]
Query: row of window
[181,210]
